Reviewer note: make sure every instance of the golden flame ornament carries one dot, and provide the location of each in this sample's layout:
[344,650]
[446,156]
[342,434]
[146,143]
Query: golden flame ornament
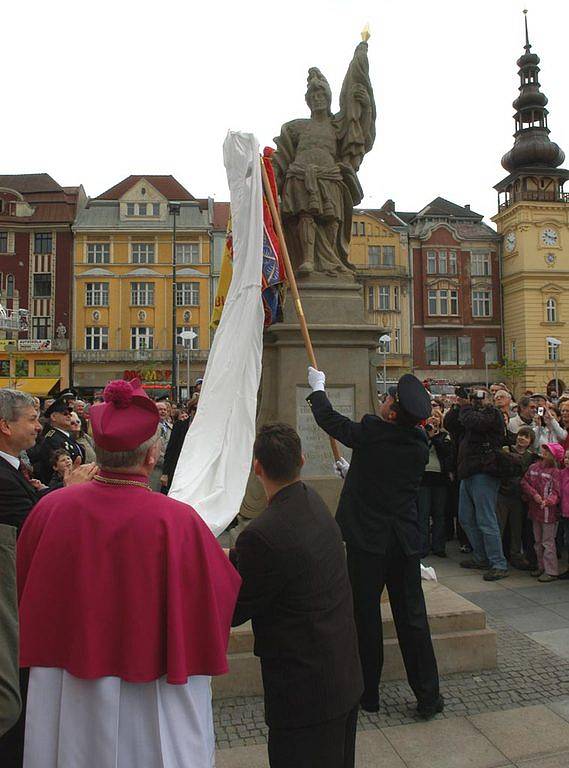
[366,34]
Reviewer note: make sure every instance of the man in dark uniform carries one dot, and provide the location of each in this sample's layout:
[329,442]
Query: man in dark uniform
[58,436]
[377,514]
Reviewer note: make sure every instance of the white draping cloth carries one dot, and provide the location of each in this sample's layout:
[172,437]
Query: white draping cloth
[108,723]
[215,460]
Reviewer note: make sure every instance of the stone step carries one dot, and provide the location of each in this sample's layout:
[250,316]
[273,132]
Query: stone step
[461,640]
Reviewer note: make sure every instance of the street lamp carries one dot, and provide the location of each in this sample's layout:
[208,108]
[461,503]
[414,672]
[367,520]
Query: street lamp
[174,210]
[188,336]
[384,342]
[555,344]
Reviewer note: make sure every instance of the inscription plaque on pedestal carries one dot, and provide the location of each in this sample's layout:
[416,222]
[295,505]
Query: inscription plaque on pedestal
[315,442]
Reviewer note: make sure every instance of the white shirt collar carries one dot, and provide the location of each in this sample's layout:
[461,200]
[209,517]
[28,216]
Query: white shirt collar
[13,460]
[62,431]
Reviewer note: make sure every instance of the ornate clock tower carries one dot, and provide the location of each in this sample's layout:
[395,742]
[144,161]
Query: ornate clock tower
[533,218]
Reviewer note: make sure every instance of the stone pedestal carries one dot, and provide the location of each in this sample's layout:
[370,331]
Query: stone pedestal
[461,639]
[343,344]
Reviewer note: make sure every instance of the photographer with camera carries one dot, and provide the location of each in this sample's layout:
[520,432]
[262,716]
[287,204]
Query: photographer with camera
[480,466]
[546,427]
[432,498]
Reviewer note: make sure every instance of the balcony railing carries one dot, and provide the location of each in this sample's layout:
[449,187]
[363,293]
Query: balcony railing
[134,355]
[13,319]
[543,196]
[383,269]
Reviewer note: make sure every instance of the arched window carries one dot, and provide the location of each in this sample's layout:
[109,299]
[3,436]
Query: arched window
[10,286]
[551,310]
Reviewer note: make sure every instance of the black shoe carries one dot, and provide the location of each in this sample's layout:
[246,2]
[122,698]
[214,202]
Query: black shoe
[369,706]
[475,564]
[428,710]
[520,564]
[564,576]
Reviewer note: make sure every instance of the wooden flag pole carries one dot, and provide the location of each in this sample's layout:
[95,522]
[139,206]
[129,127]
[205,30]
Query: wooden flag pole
[292,283]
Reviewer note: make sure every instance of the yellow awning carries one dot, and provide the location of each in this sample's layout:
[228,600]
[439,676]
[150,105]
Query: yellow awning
[38,386]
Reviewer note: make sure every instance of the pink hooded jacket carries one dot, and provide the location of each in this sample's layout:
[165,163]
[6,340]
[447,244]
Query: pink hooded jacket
[543,481]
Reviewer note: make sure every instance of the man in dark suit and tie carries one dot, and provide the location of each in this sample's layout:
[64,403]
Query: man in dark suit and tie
[297,593]
[19,427]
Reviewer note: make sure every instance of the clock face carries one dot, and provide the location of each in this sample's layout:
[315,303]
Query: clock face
[510,241]
[549,236]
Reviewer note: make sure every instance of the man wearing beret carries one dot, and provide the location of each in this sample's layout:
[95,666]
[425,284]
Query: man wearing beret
[126,601]
[377,514]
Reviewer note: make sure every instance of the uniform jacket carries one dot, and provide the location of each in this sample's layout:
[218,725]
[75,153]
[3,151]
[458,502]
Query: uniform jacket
[297,593]
[542,480]
[9,680]
[54,439]
[17,496]
[379,496]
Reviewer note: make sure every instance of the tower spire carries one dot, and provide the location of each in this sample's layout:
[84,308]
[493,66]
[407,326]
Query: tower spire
[527,45]
[532,146]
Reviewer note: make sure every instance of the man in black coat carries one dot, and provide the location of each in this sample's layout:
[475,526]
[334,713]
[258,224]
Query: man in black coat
[297,593]
[19,427]
[479,474]
[378,516]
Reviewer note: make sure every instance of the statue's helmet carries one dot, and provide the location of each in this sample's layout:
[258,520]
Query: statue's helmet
[317,82]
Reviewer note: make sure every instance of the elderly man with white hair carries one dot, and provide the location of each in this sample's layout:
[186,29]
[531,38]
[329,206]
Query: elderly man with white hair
[503,402]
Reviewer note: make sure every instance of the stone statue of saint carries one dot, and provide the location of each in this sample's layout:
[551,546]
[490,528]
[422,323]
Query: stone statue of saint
[61,331]
[315,167]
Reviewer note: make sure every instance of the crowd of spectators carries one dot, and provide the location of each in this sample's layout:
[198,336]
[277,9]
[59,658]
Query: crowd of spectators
[498,480]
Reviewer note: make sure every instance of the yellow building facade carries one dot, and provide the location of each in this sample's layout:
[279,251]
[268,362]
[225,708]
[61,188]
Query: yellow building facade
[533,219]
[380,252]
[123,295]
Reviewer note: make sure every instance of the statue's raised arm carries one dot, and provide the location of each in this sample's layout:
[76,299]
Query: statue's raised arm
[315,167]
[357,115]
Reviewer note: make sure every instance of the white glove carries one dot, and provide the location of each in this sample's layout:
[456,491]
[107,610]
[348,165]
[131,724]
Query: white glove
[316,379]
[341,467]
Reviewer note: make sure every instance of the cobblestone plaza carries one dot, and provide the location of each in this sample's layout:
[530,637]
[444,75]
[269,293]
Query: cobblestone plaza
[532,625]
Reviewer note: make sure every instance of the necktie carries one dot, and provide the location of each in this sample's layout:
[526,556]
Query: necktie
[23,470]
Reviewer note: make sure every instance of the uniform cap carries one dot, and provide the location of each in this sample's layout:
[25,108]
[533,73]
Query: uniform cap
[412,397]
[61,405]
[126,419]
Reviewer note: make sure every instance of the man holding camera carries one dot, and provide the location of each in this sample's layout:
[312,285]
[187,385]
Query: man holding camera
[478,472]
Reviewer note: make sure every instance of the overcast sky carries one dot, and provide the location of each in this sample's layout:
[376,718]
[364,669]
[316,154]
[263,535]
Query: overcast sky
[95,91]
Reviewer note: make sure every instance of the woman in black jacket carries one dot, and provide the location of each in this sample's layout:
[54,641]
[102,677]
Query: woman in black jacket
[434,487]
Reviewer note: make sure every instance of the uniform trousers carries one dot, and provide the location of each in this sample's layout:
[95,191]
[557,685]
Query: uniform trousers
[325,745]
[369,573]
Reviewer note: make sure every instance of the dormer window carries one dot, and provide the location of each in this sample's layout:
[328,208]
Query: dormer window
[143,209]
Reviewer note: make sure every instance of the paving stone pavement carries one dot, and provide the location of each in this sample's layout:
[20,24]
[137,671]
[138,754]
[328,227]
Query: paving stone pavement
[529,672]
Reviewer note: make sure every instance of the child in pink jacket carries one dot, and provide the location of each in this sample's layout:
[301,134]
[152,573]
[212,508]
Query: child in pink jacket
[540,485]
